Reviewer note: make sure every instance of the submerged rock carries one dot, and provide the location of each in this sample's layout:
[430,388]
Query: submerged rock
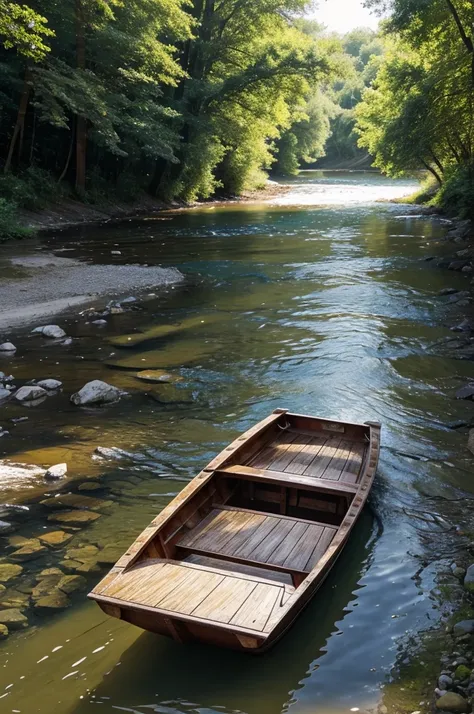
[50,384]
[30,394]
[48,572]
[465,627]
[56,472]
[7,347]
[9,571]
[29,552]
[76,500]
[466,392]
[452,702]
[56,600]
[5,527]
[55,539]
[96,392]
[4,632]
[74,518]
[13,618]
[52,331]
[90,486]
[110,554]
[72,583]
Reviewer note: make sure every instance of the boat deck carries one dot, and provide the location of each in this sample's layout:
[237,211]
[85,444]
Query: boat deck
[332,457]
[197,592]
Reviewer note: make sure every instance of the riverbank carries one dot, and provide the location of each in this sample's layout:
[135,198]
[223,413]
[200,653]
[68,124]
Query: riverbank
[67,213]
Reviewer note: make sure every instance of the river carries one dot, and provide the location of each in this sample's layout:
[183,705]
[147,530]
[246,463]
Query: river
[319,300]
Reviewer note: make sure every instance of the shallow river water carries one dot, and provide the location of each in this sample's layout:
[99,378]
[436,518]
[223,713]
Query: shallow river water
[320,301]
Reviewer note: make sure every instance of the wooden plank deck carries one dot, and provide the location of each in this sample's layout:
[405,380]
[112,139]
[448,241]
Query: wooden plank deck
[331,457]
[199,592]
[260,538]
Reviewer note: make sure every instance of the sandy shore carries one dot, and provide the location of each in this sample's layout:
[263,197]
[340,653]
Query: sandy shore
[48,285]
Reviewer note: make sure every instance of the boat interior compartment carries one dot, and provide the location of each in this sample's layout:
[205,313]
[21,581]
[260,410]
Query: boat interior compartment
[252,527]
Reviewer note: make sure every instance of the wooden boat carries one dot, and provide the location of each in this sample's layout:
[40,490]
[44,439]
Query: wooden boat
[234,558]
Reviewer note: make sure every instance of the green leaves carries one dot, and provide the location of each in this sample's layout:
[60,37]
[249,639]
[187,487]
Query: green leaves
[24,30]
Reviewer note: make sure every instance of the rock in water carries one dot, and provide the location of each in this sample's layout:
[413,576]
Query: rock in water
[8,571]
[53,331]
[28,552]
[72,583]
[56,600]
[157,375]
[452,702]
[3,632]
[50,384]
[465,627]
[4,393]
[7,347]
[55,539]
[470,442]
[96,392]
[466,392]
[56,472]
[73,518]
[13,618]
[30,394]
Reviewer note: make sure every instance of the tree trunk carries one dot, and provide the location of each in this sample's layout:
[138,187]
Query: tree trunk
[433,172]
[20,120]
[467,40]
[81,122]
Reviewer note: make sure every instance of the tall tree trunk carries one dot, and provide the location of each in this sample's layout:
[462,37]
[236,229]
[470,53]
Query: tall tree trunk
[467,40]
[81,122]
[433,172]
[20,120]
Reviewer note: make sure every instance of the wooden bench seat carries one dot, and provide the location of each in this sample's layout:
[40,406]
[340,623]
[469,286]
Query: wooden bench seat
[307,483]
[274,542]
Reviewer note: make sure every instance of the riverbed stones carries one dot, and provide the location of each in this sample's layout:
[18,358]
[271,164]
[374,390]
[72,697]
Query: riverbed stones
[462,672]
[76,500]
[7,347]
[13,618]
[110,554]
[90,486]
[469,580]
[74,517]
[465,627]
[45,586]
[72,583]
[466,392]
[452,702]
[56,600]
[9,571]
[14,598]
[445,681]
[83,554]
[4,632]
[29,552]
[51,385]
[55,539]
[4,393]
[96,392]
[30,394]
[51,331]
[56,472]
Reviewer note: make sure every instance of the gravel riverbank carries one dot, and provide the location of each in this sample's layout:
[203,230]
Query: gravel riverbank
[37,285]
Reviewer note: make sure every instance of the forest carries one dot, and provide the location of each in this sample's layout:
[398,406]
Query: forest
[189,99]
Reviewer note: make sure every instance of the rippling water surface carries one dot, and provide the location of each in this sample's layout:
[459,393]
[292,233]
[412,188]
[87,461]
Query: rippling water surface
[319,301]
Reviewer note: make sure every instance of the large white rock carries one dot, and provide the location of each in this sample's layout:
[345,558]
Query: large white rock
[7,347]
[29,394]
[50,384]
[96,392]
[53,331]
[56,472]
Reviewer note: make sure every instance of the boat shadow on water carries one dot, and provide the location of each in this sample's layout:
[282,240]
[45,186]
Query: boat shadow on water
[158,674]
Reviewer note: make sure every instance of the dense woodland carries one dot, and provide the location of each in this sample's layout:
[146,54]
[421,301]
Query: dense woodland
[188,99]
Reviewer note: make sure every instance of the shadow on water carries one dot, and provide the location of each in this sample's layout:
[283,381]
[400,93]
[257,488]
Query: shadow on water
[160,675]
